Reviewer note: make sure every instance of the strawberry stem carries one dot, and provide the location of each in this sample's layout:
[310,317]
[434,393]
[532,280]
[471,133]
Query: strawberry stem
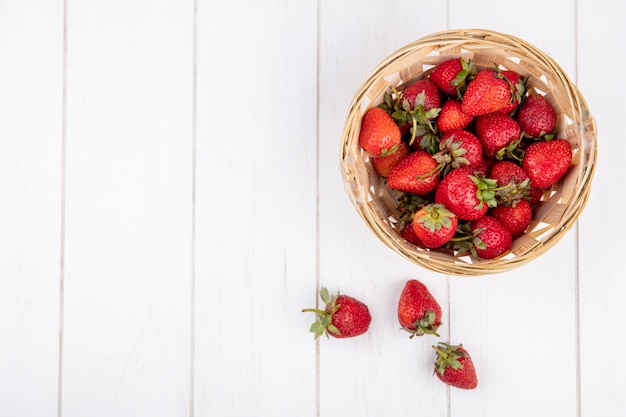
[440,352]
[435,171]
[323,323]
[313,310]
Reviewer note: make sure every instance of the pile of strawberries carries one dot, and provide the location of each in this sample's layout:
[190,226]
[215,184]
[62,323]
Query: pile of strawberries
[419,314]
[471,151]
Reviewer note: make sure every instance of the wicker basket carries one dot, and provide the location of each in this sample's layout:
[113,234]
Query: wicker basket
[560,206]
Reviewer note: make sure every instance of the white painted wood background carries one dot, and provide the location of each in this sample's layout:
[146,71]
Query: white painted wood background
[170,199]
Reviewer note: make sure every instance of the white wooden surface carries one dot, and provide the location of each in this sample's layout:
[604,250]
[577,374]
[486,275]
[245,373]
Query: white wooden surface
[171,199]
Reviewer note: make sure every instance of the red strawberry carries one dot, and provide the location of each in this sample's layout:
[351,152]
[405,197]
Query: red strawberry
[536,116]
[488,92]
[451,117]
[383,164]
[496,131]
[506,171]
[484,166]
[491,238]
[450,76]
[515,217]
[534,196]
[379,134]
[519,89]
[343,316]
[454,366]
[457,149]
[422,92]
[418,311]
[414,109]
[408,233]
[423,101]
[513,182]
[434,225]
[466,194]
[546,162]
[415,173]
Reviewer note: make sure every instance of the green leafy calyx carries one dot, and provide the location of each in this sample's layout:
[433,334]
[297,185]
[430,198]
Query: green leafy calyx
[424,325]
[324,318]
[435,217]
[448,356]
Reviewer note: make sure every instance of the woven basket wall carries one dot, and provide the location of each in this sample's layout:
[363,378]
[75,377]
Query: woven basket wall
[560,205]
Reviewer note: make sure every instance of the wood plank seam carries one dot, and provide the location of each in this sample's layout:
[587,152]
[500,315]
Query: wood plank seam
[194,119]
[62,220]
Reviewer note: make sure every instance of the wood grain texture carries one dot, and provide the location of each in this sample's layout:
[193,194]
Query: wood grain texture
[126,348]
[602,285]
[383,372]
[256,208]
[197,203]
[30,211]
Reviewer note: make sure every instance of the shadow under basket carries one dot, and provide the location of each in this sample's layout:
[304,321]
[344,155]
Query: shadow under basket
[560,205]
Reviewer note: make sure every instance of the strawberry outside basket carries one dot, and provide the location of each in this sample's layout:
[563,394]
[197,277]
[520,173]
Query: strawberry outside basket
[560,206]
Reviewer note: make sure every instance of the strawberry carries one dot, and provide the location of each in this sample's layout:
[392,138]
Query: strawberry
[451,117]
[422,93]
[534,196]
[496,132]
[466,194]
[490,238]
[519,89]
[379,135]
[420,102]
[509,173]
[536,116]
[415,173]
[506,171]
[414,109]
[512,181]
[418,311]
[434,225]
[454,366]
[458,148]
[488,92]
[546,162]
[450,76]
[383,164]
[515,217]
[343,316]
[408,233]
[484,166]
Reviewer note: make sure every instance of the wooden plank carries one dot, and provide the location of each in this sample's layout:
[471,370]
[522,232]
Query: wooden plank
[520,329]
[256,208]
[520,326]
[602,285]
[383,372]
[127,328]
[31,38]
